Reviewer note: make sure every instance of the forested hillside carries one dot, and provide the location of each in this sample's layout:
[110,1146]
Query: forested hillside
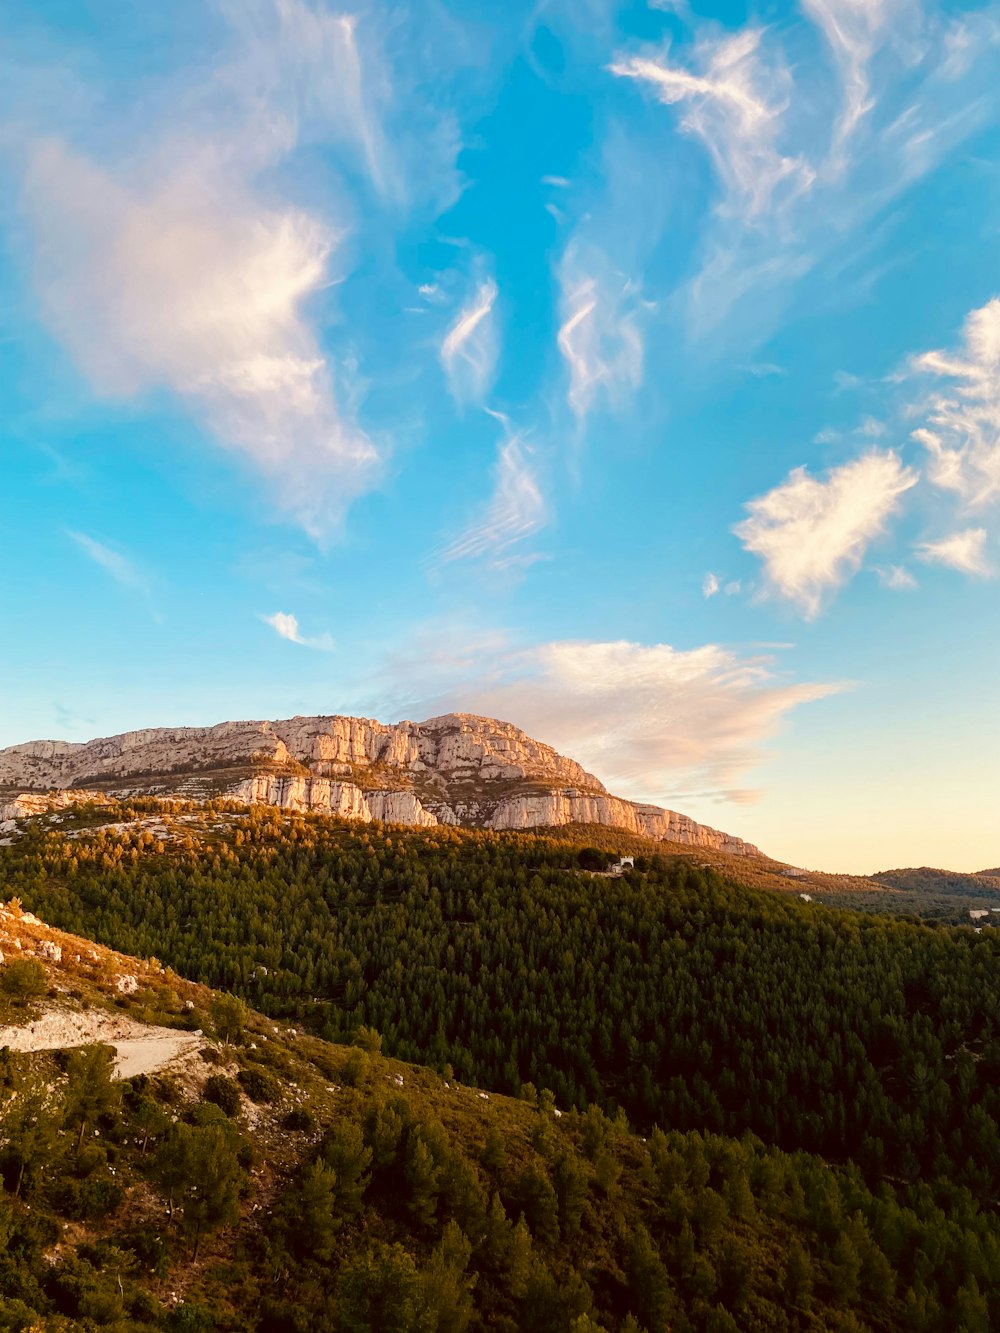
[682,1000]
[277,1183]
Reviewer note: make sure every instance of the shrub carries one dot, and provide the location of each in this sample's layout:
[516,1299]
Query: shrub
[224,1093]
[299,1118]
[368,1040]
[23,979]
[259,1086]
[355,1068]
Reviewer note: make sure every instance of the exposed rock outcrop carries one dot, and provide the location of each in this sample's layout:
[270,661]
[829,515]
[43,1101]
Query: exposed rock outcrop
[325,797]
[454,769]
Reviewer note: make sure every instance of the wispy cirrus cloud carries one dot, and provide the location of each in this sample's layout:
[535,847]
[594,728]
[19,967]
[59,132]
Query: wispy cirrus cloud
[470,346]
[964,551]
[812,534]
[286,626]
[118,566]
[653,722]
[307,67]
[802,163]
[855,32]
[600,335]
[516,511]
[734,100]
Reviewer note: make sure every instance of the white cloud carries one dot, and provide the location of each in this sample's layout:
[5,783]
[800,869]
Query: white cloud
[516,511]
[961,430]
[170,258]
[896,577]
[710,585]
[114,563]
[306,72]
[197,288]
[812,535]
[469,349]
[653,722]
[735,99]
[855,29]
[964,551]
[804,163]
[600,336]
[287,627]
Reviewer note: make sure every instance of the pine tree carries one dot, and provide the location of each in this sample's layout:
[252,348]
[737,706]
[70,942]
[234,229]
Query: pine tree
[446,1301]
[423,1179]
[798,1283]
[92,1091]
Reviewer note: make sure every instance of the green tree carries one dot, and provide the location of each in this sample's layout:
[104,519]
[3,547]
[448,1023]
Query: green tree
[798,1283]
[229,1016]
[446,1299]
[379,1293]
[423,1179]
[368,1040]
[92,1091]
[223,1092]
[312,1212]
[649,1281]
[214,1178]
[28,1124]
[972,1311]
[348,1157]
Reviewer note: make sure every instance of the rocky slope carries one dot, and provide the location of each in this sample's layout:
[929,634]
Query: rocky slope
[455,769]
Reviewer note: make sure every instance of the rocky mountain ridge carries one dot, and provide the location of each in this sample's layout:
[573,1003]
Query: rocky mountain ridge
[454,769]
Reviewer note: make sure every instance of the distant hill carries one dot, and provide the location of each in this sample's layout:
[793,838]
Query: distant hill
[928,880]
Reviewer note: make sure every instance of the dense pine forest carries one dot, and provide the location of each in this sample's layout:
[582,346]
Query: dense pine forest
[291,1186]
[504,960]
[733,1110]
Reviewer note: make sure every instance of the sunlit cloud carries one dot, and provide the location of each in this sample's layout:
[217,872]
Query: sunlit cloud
[812,534]
[469,349]
[652,722]
[963,551]
[286,626]
[961,430]
[180,268]
[199,290]
[710,585]
[600,336]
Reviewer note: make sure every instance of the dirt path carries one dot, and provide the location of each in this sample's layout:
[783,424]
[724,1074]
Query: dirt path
[140,1048]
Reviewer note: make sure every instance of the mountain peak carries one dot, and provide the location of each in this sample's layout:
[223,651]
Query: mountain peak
[456,768]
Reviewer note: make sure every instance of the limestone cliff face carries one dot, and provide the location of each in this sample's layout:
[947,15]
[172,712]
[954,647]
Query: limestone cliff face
[325,797]
[454,769]
[26,804]
[570,807]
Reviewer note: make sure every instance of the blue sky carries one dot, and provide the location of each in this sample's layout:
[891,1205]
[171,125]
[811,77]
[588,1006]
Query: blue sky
[629,371]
